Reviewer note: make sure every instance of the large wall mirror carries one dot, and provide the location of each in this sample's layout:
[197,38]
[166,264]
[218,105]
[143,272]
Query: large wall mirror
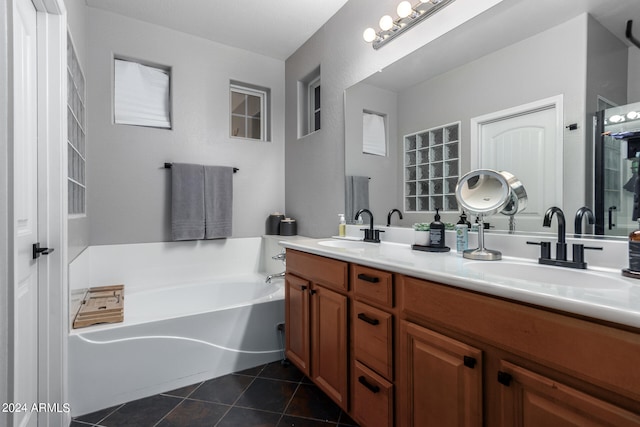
[450,107]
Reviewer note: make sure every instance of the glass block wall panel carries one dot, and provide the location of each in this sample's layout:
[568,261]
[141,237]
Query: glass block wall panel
[432,169]
[76,133]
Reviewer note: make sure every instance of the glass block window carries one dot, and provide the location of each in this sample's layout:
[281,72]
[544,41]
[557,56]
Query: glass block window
[432,169]
[248,112]
[76,135]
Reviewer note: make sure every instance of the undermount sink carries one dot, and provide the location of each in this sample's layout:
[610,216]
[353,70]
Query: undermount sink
[547,274]
[346,244]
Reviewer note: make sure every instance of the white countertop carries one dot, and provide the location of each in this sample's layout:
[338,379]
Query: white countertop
[614,298]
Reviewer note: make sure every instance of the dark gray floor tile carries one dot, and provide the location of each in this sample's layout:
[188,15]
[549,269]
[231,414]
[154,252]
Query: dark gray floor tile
[345,420]
[97,416]
[141,413]
[225,389]
[268,395]
[249,418]
[310,402]
[252,372]
[277,370]
[289,421]
[193,413]
[182,392]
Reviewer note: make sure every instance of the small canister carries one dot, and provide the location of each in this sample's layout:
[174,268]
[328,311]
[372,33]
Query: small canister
[273,223]
[288,227]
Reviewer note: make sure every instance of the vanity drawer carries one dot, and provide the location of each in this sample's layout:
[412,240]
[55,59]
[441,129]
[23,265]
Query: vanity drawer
[325,271]
[373,338]
[372,398]
[372,285]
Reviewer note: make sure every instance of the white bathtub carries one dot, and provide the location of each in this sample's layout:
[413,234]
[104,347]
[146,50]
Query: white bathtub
[178,331]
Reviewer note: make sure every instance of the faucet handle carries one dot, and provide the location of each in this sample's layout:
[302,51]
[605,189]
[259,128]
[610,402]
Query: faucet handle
[545,249]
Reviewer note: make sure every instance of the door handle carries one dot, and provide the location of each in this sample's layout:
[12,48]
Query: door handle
[368,319]
[367,278]
[37,251]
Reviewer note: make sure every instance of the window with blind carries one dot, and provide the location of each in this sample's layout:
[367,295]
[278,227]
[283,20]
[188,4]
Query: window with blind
[141,95]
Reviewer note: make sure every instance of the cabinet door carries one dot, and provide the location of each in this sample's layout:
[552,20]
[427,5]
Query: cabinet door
[329,343]
[297,321]
[441,380]
[531,400]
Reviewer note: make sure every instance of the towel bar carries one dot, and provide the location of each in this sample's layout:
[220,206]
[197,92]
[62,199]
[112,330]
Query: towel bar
[168,166]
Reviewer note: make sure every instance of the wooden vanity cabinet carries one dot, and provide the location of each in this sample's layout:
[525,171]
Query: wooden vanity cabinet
[536,367]
[316,338]
[441,380]
[396,350]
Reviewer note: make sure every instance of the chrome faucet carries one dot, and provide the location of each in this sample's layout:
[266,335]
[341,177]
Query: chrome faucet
[391,213]
[370,235]
[591,219]
[561,246]
[273,276]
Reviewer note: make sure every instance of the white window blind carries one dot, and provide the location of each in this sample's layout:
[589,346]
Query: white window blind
[141,95]
[374,135]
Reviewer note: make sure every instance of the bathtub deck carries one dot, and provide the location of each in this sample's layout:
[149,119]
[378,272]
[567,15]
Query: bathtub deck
[268,395]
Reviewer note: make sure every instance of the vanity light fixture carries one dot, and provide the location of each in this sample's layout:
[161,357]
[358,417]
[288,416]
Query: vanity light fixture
[408,16]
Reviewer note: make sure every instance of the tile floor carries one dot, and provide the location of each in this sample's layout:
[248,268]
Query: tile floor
[268,395]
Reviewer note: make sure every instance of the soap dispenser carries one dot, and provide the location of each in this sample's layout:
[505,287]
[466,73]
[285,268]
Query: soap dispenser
[436,232]
[342,226]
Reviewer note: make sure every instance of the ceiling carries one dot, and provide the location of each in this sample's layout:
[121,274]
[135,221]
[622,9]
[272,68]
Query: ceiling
[275,28]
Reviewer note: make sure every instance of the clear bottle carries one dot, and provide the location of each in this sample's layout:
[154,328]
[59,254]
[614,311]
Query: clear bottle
[634,250]
[342,226]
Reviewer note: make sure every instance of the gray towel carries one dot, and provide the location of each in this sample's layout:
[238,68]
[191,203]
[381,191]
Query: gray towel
[187,201]
[218,201]
[356,196]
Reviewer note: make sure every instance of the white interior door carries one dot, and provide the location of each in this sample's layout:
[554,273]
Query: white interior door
[526,144]
[25,165]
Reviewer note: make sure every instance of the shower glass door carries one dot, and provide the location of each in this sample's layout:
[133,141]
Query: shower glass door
[617,156]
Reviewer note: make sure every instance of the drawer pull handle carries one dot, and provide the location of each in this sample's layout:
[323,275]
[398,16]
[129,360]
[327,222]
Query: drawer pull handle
[369,279]
[368,319]
[374,388]
[504,378]
[470,362]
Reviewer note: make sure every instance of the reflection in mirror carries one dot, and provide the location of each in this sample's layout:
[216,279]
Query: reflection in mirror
[512,55]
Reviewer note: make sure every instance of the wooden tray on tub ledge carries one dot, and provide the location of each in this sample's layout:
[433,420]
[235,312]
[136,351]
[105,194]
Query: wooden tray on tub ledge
[101,304]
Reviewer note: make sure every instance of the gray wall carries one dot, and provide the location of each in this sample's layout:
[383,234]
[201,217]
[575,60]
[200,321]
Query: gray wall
[633,94]
[128,190]
[5,218]
[78,228]
[382,170]
[315,163]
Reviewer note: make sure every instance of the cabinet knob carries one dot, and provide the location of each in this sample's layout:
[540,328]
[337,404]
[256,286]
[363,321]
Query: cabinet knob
[303,288]
[368,319]
[504,378]
[312,292]
[366,278]
[374,388]
[470,362]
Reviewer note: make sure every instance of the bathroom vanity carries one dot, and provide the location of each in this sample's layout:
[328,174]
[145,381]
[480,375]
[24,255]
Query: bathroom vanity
[411,339]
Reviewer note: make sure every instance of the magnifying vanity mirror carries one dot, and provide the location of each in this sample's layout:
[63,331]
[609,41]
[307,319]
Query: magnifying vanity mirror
[486,192]
[493,63]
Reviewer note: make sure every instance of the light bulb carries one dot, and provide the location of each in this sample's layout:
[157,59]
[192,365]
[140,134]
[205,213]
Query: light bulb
[386,23]
[616,118]
[369,35]
[633,115]
[404,9]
